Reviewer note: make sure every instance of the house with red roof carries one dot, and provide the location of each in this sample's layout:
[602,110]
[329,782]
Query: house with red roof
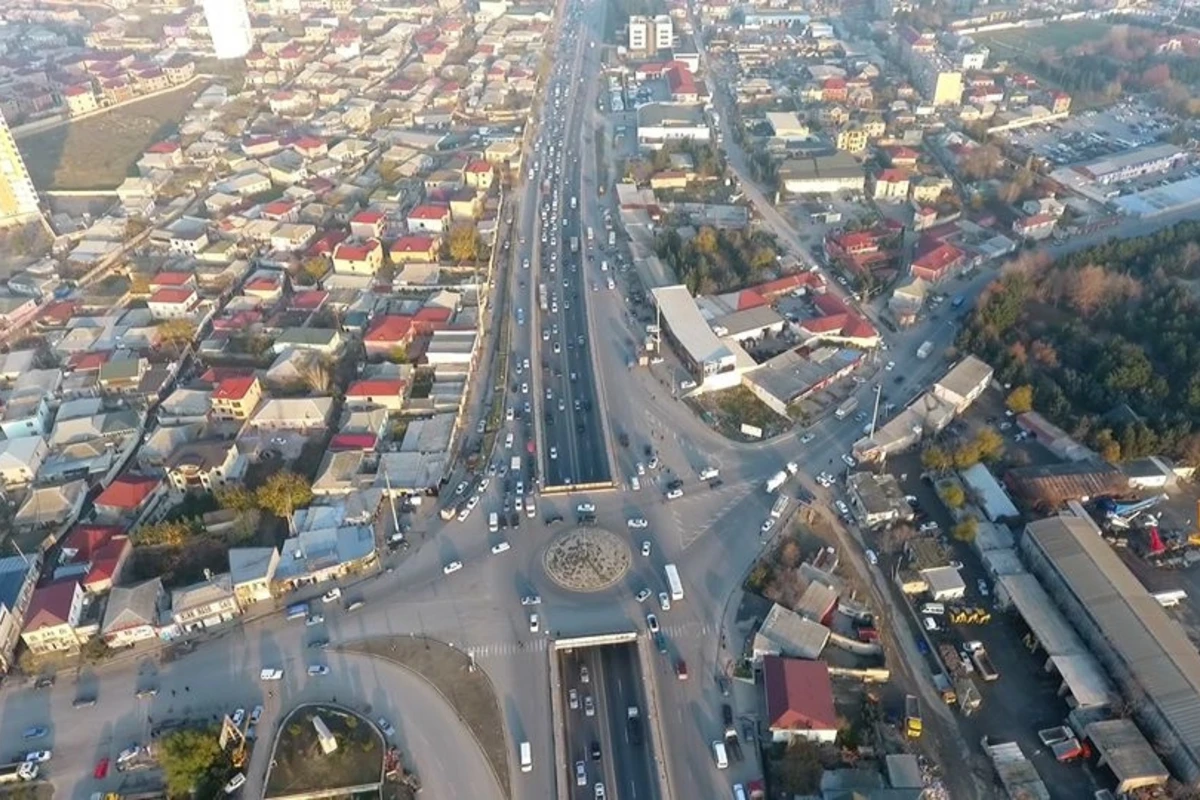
[902,157]
[309,146]
[428,219]
[936,260]
[324,246]
[414,249]
[173,280]
[368,224]
[803,282]
[172,303]
[891,185]
[52,621]
[130,498]
[834,90]
[1035,227]
[681,84]
[387,333]
[236,397]
[799,699]
[281,211]
[311,300]
[480,174]
[377,393]
[358,259]
[432,318]
[435,54]
[95,553]
[837,323]
[161,155]
[265,285]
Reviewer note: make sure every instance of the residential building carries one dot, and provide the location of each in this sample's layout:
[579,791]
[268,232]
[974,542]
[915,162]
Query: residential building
[414,249]
[358,259]
[323,341]
[799,700]
[822,175]
[18,577]
[229,26]
[236,397]
[376,393]
[658,123]
[852,140]
[25,415]
[20,460]
[891,185]
[95,554]
[173,303]
[52,622]
[429,219]
[132,613]
[204,465]
[18,197]
[303,414]
[324,554]
[129,497]
[205,604]
[252,572]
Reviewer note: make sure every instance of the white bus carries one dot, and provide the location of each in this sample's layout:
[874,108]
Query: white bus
[674,582]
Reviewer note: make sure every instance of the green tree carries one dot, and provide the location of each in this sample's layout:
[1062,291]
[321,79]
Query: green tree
[236,498]
[798,770]
[464,243]
[936,459]
[952,495]
[189,757]
[283,493]
[1020,400]
[705,241]
[966,530]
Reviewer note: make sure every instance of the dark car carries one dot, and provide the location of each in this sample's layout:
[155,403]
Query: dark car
[595,751]
[44,682]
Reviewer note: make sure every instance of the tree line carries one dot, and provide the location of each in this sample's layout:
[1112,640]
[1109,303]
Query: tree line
[716,260]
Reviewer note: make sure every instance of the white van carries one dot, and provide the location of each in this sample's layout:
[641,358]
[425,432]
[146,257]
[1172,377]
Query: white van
[739,792]
[719,754]
[493,522]
[526,757]
[508,440]
[634,483]
[936,609]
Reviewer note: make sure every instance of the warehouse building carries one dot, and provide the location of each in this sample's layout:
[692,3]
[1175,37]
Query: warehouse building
[1146,653]
[822,175]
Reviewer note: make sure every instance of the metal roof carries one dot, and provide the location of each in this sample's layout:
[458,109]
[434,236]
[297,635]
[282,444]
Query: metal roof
[786,633]
[1152,647]
[682,316]
[1127,753]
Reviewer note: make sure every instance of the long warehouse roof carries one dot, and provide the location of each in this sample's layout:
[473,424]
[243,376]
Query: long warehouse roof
[1153,648]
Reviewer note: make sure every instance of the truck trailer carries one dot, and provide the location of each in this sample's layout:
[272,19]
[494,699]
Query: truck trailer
[775,481]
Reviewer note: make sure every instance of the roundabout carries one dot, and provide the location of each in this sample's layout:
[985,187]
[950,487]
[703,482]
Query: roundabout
[587,559]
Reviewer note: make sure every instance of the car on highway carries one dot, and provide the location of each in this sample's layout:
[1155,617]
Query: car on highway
[806,438]
[675,494]
[453,566]
[584,675]
[533,622]
[388,729]
[930,624]
[889,366]
[270,674]
[318,669]
[500,547]
[646,548]
[235,783]
[580,773]
[643,595]
[461,488]
[664,601]
[681,670]
[871,557]
[573,700]
[314,619]
[842,508]
[595,751]
[531,600]
[767,525]
[641,468]
[553,452]
[599,791]
[589,707]
[652,623]
[637,523]
[101,770]
[982,586]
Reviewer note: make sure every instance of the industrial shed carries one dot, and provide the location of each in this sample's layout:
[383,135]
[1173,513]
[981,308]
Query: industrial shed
[989,494]
[1052,485]
[1124,750]
[1144,651]
[786,633]
[944,583]
[1082,675]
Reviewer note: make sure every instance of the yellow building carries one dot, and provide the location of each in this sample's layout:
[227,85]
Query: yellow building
[947,89]
[853,140]
[18,198]
[874,128]
[928,190]
[237,397]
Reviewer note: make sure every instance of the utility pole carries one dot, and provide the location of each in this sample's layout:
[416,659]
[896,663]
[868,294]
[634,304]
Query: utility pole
[875,410]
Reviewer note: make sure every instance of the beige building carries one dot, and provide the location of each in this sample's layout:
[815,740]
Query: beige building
[205,604]
[18,577]
[18,197]
[236,398]
[853,140]
[252,569]
[52,622]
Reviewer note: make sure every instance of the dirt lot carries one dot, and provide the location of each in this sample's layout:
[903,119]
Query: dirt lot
[98,152]
[470,693]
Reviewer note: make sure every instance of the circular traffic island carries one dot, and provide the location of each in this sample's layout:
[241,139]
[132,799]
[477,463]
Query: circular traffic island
[325,751]
[587,559]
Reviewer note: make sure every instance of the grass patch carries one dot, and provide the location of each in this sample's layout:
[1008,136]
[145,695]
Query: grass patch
[99,152]
[731,408]
[1060,37]
[470,693]
[301,766]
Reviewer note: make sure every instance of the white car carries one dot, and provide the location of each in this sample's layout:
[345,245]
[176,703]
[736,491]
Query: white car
[462,487]
[983,587]
[531,600]
[871,557]
[638,523]
[580,773]
[553,452]
[453,566]
[573,700]
[642,596]
[270,674]
[806,438]
[848,460]
[889,366]
[235,783]
[256,715]
[600,791]
[589,708]
[388,729]
[646,548]
[314,619]
[238,717]
[586,508]
[641,468]
[331,595]
[533,623]
[318,669]
[38,756]
[675,494]
[500,547]
[842,508]
[930,623]
[767,525]
[664,601]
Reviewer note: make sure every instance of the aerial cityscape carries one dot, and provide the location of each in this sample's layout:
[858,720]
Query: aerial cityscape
[599,399]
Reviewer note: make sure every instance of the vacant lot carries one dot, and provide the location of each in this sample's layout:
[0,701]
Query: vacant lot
[1060,37]
[98,152]
[301,766]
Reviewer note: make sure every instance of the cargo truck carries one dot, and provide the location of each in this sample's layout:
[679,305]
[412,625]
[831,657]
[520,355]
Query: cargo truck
[846,408]
[633,722]
[673,581]
[775,481]
[574,244]
[912,717]
[924,350]
[983,663]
